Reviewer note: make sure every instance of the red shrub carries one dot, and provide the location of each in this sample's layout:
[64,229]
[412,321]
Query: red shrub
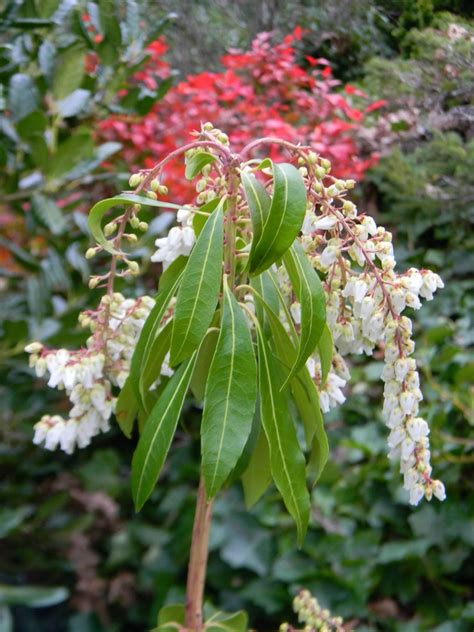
[262,92]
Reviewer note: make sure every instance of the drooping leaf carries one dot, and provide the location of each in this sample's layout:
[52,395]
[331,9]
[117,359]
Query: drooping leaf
[97,212]
[283,222]
[286,459]
[325,350]
[32,596]
[230,397]
[264,286]
[203,363]
[310,293]
[153,359]
[126,408]
[157,435]
[198,293]
[148,335]
[304,390]
[258,475]
[259,204]
[197,162]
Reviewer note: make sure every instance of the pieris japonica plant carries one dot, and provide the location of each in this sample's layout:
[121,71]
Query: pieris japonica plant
[271,279]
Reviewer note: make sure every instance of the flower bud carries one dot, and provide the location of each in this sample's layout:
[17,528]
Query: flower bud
[155,184]
[207,127]
[152,195]
[134,222]
[34,347]
[110,228]
[143,226]
[135,180]
[133,267]
[163,190]
[90,253]
[132,238]
[93,282]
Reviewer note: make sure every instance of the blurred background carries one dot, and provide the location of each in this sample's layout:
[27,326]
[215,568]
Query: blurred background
[88,91]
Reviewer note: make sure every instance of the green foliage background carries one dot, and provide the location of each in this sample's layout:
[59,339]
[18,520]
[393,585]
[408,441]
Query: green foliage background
[74,555]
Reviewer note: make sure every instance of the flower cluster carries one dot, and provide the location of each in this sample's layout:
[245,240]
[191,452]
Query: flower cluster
[88,375]
[315,618]
[179,240]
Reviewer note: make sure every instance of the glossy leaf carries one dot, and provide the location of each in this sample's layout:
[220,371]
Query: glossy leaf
[157,435]
[325,350]
[225,622]
[257,477]
[97,212]
[203,363]
[197,162]
[153,358]
[283,222]
[230,397]
[69,72]
[170,618]
[286,459]
[198,293]
[148,334]
[126,408]
[310,293]
[259,204]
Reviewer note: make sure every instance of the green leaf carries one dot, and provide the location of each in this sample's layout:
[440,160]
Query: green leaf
[148,335]
[259,204]
[310,293]
[49,213]
[199,220]
[203,363]
[196,163]
[197,296]
[230,397]
[22,96]
[32,596]
[153,359]
[258,475]
[325,350]
[283,222]
[79,146]
[155,441]
[304,392]
[97,212]
[286,459]
[173,614]
[126,408]
[225,622]
[69,72]
[172,273]
[74,103]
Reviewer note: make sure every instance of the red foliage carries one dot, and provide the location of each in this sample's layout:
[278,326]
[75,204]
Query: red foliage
[262,92]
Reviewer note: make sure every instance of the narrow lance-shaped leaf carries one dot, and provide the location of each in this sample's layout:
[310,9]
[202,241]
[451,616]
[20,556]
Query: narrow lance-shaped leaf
[259,204]
[258,475]
[310,293]
[304,390]
[155,355]
[325,350]
[286,459]
[198,293]
[97,212]
[158,433]
[284,219]
[230,398]
[148,334]
[126,408]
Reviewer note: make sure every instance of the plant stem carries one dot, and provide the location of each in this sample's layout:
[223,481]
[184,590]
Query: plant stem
[198,561]
[230,230]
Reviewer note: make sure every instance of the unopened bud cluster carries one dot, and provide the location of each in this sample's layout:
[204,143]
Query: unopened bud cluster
[313,616]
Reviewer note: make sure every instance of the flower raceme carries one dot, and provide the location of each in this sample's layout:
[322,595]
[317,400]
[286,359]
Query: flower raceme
[271,281]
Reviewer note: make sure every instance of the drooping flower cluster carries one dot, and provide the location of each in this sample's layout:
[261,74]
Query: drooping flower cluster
[365,296]
[88,375]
